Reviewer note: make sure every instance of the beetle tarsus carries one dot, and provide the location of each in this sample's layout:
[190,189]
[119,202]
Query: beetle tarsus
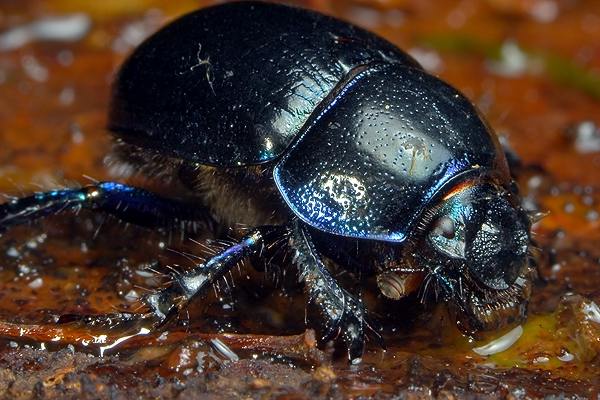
[164,304]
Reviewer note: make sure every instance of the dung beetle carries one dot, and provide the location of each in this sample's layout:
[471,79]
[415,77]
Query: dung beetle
[326,141]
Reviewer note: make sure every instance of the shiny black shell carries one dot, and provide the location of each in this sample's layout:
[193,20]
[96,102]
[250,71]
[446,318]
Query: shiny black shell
[234,84]
[365,139]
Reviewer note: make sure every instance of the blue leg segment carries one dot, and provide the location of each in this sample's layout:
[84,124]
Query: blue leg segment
[127,203]
[167,303]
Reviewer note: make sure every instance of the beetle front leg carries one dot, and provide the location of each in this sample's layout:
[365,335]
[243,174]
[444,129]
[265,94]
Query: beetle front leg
[166,303]
[344,315]
[129,204]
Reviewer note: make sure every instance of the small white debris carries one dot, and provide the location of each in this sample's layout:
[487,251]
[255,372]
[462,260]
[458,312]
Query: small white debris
[145,274]
[429,59]
[513,60]
[23,269]
[544,11]
[224,350]
[66,96]
[592,215]
[32,244]
[592,312]
[535,182]
[501,344]
[132,296]
[34,69]
[541,360]
[77,137]
[12,252]
[36,283]
[135,32]
[365,16]
[587,137]
[200,357]
[566,356]
[569,208]
[65,28]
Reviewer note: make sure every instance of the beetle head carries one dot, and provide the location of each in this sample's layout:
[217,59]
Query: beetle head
[478,239]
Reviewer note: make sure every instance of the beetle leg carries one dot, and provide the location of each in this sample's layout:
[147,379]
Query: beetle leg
[166,303]
[127,203]
[344,315]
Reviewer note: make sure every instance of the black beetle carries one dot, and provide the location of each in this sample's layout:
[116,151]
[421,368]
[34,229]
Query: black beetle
[324,139]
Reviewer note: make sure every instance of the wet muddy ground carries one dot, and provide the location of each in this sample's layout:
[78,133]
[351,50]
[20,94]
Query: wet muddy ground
[533,67]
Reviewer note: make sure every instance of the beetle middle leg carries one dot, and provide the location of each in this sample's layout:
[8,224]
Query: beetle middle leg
[344,315]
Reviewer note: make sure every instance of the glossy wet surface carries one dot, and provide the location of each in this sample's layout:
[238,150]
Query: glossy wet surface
[532,67]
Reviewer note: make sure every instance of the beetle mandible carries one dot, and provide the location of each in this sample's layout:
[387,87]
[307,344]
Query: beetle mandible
[324,139]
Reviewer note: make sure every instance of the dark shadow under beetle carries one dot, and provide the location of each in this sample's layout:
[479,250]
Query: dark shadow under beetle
[325,140]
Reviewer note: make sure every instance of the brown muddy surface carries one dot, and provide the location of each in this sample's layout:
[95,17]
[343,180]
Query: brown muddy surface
[532,66]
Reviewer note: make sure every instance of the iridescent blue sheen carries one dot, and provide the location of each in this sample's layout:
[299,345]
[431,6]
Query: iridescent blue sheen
[126,202]
[194,282]
[393,141]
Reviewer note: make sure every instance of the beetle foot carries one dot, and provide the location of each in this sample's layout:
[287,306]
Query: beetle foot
[348,322]
[164,305]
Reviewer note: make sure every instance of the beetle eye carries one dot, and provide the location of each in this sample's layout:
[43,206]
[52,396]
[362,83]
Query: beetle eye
[445,227]
[447,236]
